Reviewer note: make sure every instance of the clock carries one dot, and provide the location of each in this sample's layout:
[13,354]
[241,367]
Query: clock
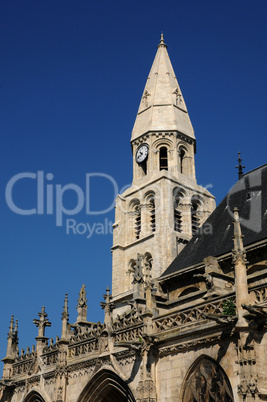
[141,153]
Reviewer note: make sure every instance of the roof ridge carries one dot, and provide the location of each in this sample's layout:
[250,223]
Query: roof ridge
[253,170]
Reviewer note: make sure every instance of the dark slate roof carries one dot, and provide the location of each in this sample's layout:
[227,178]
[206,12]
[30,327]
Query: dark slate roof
[215,237]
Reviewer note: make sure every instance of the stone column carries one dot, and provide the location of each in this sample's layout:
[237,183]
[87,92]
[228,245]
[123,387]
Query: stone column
[240,262]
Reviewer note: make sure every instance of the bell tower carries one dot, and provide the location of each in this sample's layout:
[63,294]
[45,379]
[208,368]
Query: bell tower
[164,207]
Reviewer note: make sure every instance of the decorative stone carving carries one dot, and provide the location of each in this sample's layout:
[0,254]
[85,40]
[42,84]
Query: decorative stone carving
[59,397]
[194,314]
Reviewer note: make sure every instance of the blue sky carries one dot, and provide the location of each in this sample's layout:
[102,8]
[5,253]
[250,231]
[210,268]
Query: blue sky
[72,75]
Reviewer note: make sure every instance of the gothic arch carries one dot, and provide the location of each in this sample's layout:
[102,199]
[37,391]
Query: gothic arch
[163,142]
[106,386]
[206,381]
[34,396]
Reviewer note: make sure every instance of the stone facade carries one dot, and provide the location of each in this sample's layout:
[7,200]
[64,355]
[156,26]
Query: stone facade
[188,315]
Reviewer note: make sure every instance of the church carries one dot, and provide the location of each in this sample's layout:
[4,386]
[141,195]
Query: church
[186,318]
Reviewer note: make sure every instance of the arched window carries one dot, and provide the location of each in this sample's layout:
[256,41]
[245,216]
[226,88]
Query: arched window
[137,221]
[106,386]
[195,221]
[207,381]
[34,397]
[181,157]
[177,195]
[163,158]
[152,214]
[134,221]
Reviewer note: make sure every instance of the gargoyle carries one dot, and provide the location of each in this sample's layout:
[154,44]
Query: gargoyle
[259,311]
[220,319]
[129,345]
[207,279]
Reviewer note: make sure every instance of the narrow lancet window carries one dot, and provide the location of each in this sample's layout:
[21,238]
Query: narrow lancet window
[137,223]
[152,215]
[178,195]
[163,158]
[195,221]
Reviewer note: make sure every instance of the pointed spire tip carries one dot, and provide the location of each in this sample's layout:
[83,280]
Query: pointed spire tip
[162,43]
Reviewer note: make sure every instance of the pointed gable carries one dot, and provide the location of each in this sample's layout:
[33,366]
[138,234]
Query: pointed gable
[162,106]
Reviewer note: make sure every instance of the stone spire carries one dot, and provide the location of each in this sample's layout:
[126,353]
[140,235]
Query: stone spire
[82,306]
[162,106]
[239,261]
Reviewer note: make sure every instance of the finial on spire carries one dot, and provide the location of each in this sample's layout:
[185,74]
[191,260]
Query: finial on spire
[108,306]
[42,323]
[240,167]
[82,305]
[162,43]
[11,327]
[65,314]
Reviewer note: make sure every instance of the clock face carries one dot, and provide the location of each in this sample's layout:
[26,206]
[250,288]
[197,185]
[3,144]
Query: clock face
[141,153]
